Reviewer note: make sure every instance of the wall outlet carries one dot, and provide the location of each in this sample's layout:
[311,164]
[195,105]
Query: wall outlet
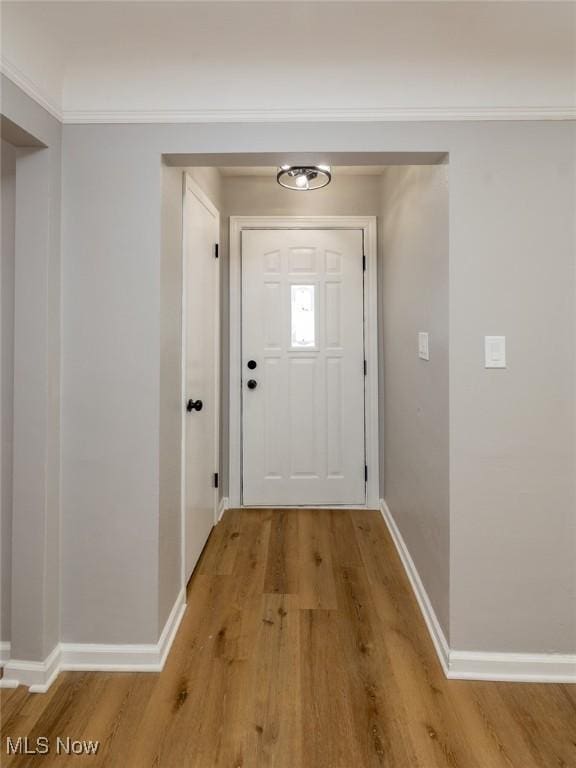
[423,345]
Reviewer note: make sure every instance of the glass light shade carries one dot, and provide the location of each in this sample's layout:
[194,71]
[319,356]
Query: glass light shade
[303,178]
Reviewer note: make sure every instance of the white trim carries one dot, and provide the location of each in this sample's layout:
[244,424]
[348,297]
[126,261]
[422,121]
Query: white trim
[4,651]
[189,184]
[288,115]
[371,398]
[222,507]
[336,114]
[285,115]
[369,227]
[8,683]
[30,88]
[4,658]
[434,628]
[513,667]
[92,657]
[343,507]
[37,675]
[479,665]
[125,658]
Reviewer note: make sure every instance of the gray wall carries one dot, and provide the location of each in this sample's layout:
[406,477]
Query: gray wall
[35,562]
[112,349]
[511,434]
[7,225]
[111,380]
[349,195]
[415,420]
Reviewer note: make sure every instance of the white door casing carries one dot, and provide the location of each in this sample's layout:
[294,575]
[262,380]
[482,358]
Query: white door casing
[320,459]
[200,371]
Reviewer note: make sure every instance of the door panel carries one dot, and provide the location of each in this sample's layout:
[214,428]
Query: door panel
[303,325]
[201,232]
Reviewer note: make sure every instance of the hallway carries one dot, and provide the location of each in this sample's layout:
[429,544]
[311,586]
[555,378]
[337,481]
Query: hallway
[302,647]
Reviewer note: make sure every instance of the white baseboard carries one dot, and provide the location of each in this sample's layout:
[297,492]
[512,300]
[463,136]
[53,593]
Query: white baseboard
[83,657]
[4,651]
[37,675]
[222,507]
[4,658]
[513,667]
[479,665]
[434,628]
[92,657]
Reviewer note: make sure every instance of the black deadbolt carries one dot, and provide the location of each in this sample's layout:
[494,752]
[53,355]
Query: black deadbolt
[194,405]
[252,384]
[252,364]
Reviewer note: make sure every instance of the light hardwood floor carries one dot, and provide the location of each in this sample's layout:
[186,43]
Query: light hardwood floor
[302,647]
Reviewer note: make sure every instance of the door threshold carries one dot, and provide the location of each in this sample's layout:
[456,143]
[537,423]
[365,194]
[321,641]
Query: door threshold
[343,507]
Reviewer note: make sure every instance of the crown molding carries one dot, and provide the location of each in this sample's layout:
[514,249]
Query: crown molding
[30,88]
[336,114]
[272,115]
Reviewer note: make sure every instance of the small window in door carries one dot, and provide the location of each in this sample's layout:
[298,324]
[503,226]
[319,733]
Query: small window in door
[303,320]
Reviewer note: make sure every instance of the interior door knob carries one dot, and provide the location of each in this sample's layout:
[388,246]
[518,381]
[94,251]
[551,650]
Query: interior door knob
[252,384]
[194,405]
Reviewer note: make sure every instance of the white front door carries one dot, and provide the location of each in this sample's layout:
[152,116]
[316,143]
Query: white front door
[201,385]
[302,367]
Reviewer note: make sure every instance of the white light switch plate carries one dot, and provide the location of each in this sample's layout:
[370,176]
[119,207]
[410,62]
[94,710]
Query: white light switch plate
[423,346]
[495,351]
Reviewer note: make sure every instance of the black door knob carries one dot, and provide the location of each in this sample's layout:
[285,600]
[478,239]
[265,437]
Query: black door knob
[194,405]
[252,364]
[252,384]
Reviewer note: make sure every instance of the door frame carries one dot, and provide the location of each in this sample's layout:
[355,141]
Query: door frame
[369,228]
[189,184]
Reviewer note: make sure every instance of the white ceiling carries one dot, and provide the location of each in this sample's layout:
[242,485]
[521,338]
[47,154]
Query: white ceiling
[174,61]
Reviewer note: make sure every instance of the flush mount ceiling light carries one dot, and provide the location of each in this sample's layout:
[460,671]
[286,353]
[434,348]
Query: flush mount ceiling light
[303,178]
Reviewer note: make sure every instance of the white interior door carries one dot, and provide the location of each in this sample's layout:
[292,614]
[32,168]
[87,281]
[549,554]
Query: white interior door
[201,369]
[302,367]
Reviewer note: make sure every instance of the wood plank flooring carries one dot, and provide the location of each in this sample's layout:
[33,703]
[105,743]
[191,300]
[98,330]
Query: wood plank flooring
[302,647]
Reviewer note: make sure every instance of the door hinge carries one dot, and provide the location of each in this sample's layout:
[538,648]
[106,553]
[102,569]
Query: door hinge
[365,473]
[216,479]
[365,367]
[364,262]
[216,248]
